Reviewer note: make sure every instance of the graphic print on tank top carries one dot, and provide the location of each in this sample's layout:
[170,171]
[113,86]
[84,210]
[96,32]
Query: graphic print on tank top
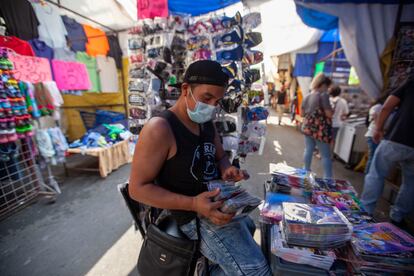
[209,168]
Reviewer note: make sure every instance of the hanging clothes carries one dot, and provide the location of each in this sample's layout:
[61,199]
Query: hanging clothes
[97,41]
[90,63]
[51,28]
[59,142]
[76,35]
[27,89]
[64,54]
[115,50]
[20,19]
[108,74]
[44,99]
[45,145]
[21,47]
[41,49]
[57,100]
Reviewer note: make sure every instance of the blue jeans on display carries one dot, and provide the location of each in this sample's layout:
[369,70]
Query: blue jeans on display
[372,146]
[325,151]
[386,156]
[230,246]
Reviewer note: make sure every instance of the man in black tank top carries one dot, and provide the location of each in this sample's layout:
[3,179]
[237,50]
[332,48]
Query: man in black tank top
[179,150]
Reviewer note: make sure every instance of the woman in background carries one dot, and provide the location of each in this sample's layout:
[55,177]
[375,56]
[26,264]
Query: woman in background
[318,102]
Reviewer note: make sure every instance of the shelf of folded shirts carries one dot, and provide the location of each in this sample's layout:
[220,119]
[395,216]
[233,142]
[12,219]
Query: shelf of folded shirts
[109,158]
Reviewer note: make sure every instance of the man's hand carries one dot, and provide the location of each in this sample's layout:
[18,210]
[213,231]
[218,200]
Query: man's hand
[234,174]
[203,205]
[378,134]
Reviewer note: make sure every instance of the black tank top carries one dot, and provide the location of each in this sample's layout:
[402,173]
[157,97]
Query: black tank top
[182,173]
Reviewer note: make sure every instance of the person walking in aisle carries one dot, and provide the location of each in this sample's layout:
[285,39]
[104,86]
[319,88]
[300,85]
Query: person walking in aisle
[179,150]
[317,126]
[340,110]
[372,117]
[281,99]
[396,147]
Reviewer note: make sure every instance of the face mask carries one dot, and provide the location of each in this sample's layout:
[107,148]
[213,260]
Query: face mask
[202,112]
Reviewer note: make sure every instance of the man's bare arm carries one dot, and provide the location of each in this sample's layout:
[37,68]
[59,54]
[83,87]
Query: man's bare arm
[150,154]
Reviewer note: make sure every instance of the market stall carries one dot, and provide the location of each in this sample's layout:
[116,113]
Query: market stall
[316,226]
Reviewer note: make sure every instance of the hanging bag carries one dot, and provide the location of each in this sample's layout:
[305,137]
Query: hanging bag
[173,255]
[317,125]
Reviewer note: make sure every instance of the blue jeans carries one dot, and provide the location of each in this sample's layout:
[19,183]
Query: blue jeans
[387,155]
[325,151]
[372,146]
[230,246]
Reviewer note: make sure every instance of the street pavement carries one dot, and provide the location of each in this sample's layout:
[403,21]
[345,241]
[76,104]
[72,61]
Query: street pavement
[88,230]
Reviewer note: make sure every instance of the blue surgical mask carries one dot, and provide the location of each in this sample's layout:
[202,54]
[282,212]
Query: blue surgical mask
[202,112]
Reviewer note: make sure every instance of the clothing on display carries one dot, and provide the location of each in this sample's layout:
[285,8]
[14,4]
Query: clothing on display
[21,47]
[97,41]
[56,97]
[51,28]
[31,69]
[71,75]
[64,54]
[15,122]
[20,19]
[91,66]
[115,50]
[108,74]
[75,34]
[44,99]
[27,89]
[41,49]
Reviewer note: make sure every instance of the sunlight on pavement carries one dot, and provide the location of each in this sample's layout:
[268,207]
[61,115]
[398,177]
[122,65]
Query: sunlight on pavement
[278,147]
[121,258]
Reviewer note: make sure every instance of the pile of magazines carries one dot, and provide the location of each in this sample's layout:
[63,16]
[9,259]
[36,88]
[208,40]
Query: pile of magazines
[309,225]
[236,200]
[286,178]
[300,255]
[335,185]
[380,248]
[343,201]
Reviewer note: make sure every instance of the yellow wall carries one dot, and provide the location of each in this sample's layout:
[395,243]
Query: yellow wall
[90,102]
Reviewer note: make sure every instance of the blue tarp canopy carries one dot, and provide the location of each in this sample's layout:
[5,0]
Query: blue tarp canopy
[198,7]
[324,21]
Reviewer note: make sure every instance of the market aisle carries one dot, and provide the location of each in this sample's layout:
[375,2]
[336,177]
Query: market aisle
[88,230]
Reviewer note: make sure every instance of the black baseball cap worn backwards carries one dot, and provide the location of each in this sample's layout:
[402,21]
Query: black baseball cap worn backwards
[206,72]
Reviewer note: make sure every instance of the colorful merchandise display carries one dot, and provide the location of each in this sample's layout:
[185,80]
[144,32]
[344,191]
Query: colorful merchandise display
[15,120]
[344,202]
[380,248]
[300,255]
[315,226]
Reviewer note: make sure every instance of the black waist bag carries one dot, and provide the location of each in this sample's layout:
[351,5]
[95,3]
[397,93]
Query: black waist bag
[173,255]
[163,254]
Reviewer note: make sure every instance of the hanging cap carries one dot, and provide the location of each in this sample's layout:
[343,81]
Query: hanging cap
[206,72]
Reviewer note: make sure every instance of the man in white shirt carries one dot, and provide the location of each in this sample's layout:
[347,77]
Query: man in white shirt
[340,108]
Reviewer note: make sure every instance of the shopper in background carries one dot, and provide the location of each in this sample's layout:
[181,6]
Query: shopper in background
[281,99]
[372,117]
[396,148]
[340,109]
[317,104]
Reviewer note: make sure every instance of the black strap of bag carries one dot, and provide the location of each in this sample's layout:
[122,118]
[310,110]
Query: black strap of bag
[164,254]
